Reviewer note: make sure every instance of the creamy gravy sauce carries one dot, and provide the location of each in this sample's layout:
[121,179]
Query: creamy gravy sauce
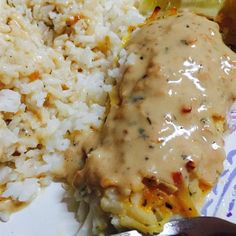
[172,99]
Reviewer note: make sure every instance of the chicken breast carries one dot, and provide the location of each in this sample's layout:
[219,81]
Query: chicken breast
[162,142]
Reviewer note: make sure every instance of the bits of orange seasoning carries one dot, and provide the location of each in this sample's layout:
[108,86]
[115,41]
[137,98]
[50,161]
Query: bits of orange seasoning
[204,186]
[73,20]
[64,87]
[190,166]
[131,28]
[173,11]
[107,183]
[154,14]
[34,76]
[177,178]
[218,118]
[186,109]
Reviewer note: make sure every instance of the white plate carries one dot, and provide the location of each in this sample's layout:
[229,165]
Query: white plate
[48,215]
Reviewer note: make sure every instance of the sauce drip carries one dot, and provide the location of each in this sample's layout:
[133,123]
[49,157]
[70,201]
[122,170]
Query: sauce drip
[179,81]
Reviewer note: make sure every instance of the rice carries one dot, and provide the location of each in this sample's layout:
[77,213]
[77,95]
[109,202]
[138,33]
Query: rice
[58,61]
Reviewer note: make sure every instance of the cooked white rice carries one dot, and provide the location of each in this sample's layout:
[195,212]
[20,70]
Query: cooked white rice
[58,59]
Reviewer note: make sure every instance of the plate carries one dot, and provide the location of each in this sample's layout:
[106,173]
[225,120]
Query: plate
[221,202]
[48,214]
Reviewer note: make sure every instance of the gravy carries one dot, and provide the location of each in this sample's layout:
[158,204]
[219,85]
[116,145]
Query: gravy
[177,86]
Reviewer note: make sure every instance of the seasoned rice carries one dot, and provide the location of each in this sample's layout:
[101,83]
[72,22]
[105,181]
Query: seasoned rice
[58,61]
